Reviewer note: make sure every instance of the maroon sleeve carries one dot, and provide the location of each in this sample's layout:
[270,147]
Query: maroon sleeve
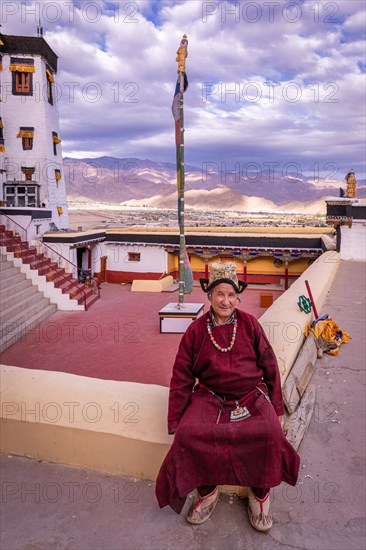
[182,381]
[267,362]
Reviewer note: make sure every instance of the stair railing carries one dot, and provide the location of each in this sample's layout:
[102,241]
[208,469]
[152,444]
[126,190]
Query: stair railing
[11,225]
[59,257]
[20,245]
[53,256]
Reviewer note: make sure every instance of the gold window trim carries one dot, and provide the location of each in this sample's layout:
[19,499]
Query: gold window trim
[50,76]
[56,140]
[2,149]
[23,134]
[22,68]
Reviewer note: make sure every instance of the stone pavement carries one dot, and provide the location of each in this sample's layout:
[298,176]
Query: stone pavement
[52,507]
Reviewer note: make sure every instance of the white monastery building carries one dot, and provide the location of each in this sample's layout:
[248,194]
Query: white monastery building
[30,144]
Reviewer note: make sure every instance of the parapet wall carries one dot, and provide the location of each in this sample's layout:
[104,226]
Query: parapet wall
[117,427]
[120,427]
[284,323]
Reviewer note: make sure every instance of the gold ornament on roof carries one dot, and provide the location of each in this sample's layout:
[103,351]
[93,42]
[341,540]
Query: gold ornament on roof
[351,184]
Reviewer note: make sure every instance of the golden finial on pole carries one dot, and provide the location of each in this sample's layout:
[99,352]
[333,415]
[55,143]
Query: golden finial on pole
[182,53]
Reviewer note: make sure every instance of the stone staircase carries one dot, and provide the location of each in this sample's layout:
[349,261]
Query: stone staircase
[45,272]
[23,307]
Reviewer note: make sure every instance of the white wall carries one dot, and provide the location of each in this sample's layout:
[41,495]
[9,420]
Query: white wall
[66,250]
[153,259]
[52,250]
[353,241]
[34,111]
[12,223]
[98,252]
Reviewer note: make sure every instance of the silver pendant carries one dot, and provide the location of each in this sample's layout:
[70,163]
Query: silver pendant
[239,413]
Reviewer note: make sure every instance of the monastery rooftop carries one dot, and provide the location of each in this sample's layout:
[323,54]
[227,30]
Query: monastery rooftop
[236,231]
[199,231]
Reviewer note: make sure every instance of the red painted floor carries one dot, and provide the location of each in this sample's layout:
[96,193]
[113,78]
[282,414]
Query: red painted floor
[117,339]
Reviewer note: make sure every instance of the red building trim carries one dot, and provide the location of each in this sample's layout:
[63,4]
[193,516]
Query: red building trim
[128,276]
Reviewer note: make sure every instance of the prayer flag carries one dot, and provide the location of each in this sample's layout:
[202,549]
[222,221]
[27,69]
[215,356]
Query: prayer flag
[188,275]
[176,106]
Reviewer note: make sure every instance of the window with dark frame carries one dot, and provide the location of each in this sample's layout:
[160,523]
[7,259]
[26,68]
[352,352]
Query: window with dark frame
[50,80]
[23,83]
[26,133]
[57,175]
[22,75]
[49,92]
[27,144]
[134,256]
[2,142]
[55,140]
[21,195]
[9,195]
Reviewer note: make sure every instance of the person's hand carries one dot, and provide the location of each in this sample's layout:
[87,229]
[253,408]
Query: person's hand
[280,420]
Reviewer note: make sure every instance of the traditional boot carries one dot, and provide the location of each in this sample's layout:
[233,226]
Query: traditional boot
[259,512]
[202,509]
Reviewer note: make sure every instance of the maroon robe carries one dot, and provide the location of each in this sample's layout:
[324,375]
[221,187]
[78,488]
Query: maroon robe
[208,449]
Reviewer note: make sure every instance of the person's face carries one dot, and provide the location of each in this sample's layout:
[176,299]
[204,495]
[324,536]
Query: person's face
[224,300]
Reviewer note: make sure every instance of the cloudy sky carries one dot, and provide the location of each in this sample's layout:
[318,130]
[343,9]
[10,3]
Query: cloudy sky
[272,84]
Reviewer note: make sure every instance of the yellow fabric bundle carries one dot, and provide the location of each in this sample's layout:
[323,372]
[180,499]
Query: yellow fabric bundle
[329,331]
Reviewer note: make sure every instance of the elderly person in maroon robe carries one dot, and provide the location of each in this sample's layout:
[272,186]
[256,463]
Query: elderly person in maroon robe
[225,408]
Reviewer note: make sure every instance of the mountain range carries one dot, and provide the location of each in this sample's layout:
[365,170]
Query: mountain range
[142,182]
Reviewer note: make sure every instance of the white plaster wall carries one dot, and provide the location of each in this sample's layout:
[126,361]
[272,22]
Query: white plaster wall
[353,241]
[69,253]
[27,223]
[65,250]
[98,252]
[34,111]
[44,226]
[16,221]
[153,259]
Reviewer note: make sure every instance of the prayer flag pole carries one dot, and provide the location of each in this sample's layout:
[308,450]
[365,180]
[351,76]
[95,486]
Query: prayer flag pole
[178,113]
[181,182]
[176,317]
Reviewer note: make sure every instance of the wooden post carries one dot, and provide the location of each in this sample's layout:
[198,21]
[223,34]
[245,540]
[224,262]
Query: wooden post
[286,274]
[245,275]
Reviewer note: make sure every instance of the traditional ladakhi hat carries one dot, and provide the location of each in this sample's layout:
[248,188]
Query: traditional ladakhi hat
[223,272]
